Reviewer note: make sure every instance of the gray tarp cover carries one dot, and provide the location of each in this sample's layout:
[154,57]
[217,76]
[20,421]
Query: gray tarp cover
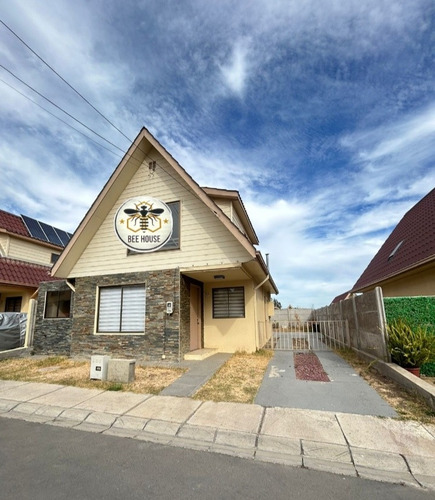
[12,330]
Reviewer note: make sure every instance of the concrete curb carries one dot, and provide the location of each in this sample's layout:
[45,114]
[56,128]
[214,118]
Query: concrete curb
[382,449]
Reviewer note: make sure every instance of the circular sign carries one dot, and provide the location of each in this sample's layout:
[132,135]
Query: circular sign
[143,224]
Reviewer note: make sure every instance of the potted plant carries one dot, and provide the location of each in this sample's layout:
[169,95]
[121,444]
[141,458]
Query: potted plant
[410,346]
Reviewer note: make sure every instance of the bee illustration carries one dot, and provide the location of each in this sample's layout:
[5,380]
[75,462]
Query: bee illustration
[144,215]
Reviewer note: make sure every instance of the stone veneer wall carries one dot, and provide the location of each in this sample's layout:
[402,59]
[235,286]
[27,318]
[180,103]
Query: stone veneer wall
[52,335]
[185,282]
[162,332]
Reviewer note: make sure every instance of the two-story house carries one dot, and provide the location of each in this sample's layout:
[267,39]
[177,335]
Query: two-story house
[158,267]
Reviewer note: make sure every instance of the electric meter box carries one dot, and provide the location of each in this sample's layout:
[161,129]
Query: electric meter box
[99,367]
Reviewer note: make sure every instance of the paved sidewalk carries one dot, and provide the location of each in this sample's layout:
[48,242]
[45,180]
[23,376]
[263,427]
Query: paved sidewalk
[358,445]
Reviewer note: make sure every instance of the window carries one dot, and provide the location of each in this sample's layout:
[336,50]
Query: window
[174,241]
[54,258]
[122,309]
[229,302]
[58,304]
[13,304]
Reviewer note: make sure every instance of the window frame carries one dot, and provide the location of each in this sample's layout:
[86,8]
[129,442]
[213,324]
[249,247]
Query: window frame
[122,306]
[57,303]
[228,311]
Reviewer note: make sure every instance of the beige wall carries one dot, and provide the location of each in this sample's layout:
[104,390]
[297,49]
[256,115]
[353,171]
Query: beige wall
[16,248]
[232,334]
[16,292]
[421,283]
[204,240]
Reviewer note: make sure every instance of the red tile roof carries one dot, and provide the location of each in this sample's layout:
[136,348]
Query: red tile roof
[412,243]
[13,224]
[17,272]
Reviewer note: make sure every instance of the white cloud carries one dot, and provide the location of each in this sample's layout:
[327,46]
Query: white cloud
[236,71]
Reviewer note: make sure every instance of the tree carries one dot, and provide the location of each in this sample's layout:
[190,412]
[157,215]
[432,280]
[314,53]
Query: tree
[277,304]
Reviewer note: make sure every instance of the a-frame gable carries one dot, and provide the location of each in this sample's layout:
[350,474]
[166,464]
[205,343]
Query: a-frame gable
[94,243]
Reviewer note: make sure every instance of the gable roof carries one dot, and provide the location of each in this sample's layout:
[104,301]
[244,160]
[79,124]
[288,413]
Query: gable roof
[17,272]
[410,245]
[131,162]
[234,197]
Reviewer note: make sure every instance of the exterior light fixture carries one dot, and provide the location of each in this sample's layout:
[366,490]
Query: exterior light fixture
[219,277]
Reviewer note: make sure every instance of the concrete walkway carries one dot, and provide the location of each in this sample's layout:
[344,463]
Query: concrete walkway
[357,445]
[198,374]
[346,392]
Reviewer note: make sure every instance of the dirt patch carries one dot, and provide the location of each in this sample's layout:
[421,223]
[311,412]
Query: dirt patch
[309,367]
[238,380]
[65,371]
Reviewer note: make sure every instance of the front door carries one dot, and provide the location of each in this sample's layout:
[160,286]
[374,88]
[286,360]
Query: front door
[195,317]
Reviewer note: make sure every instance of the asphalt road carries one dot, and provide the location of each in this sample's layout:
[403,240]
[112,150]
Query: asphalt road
[46,462]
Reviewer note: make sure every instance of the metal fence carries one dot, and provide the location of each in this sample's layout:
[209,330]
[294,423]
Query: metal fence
[309,335]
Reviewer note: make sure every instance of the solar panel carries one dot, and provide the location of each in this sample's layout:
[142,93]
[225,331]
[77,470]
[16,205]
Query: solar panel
[63,236]
[34,228]
[51,234]
[45,232]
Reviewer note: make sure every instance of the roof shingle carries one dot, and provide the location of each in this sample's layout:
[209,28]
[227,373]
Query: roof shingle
[13,224]
[17,272]
[411,243]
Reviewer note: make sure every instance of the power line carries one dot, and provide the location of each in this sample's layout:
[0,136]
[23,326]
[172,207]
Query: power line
[58,107]
[63,79]
[60,119]
[82,97]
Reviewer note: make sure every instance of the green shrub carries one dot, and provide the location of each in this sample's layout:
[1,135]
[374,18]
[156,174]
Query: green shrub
[410,346]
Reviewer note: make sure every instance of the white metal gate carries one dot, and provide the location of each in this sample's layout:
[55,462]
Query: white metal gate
[309,335]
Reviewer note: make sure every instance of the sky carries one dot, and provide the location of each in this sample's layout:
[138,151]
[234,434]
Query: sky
[321,113]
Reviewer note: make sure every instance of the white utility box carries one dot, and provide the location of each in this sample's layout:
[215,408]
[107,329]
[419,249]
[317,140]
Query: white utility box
[99,367]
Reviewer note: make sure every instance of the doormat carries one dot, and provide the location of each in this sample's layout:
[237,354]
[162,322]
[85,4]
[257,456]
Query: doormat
[308,367]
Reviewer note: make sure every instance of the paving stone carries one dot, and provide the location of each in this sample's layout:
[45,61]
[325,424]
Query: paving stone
[197,433]
[27,408]
[162,427]
[130,423]
[6,405]
[169,408]
[28,391]
[98,429]
[329,466]
[278,444]
[100,418]
[49,411]
[279,458]
[232,450]
[229,416]
[235,439]
[331,452]
[74,414]
[302,424]
[67,397]
[113,402]
[398,436]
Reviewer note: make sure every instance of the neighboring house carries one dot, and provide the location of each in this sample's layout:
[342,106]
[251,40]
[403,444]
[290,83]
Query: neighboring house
[144,291]
[405,264]
[28,249]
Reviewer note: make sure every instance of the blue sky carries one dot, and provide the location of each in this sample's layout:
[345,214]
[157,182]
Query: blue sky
[320,112]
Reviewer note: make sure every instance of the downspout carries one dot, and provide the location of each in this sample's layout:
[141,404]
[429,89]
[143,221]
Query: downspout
[255,309]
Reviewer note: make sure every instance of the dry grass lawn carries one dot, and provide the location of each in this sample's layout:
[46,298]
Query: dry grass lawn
[238,379]
[66,371]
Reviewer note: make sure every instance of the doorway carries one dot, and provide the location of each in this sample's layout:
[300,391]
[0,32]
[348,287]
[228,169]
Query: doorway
[195,317]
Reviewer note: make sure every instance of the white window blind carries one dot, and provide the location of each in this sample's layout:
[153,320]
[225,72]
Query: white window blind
[229,302]
[122,309]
